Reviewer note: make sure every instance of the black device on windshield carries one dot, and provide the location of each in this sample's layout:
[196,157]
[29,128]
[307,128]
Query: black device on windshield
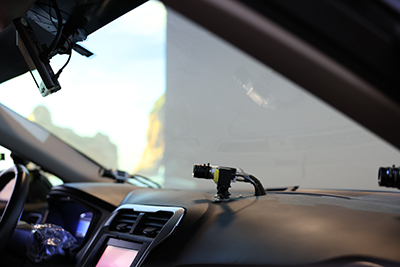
[35,58]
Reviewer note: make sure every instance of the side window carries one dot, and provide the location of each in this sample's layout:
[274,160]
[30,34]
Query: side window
[5,158]
[6,162]
[40,182]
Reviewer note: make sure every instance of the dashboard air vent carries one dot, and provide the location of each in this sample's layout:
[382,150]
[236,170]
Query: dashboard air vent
[152,223]
[124,221]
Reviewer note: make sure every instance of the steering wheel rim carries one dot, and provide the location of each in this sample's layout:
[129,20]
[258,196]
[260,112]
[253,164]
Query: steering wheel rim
[15,205]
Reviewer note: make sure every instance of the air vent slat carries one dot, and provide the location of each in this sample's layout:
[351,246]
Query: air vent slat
[155,225]
[158,218]
[124,221]
[152,223]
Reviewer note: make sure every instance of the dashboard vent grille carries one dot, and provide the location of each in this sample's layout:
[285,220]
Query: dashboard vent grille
[152,223]
[124,221]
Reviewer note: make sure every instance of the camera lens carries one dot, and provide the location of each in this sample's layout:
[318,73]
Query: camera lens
[202,171]
[389,177]
[383,177]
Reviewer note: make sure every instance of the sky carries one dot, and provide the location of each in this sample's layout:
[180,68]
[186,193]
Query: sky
[114,91]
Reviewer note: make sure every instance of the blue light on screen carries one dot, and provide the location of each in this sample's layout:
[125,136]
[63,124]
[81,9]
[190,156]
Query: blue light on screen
[83,224]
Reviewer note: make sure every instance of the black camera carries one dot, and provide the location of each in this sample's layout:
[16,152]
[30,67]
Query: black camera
[203,171]
[389,177]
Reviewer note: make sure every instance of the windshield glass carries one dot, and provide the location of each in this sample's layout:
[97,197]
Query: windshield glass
[162,94]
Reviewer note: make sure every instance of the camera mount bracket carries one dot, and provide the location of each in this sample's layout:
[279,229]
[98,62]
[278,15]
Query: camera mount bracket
[223,176]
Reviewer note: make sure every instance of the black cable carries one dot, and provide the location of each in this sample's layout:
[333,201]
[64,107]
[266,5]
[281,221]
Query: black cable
[59,27]
[147,180]
[62,68]
[51,22]
[260,191]
[66,63]
[47,5]
[135,181]
[122,176]
[258,187]
[58,35]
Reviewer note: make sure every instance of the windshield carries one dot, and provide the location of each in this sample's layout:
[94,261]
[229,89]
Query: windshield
[162,94]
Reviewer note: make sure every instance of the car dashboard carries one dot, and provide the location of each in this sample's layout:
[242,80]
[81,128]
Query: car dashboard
[163,227]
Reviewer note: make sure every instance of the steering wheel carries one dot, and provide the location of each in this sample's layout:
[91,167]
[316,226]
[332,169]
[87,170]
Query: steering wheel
[16,203]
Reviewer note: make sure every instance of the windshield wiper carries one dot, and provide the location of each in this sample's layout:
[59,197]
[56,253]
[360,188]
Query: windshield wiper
[121,177]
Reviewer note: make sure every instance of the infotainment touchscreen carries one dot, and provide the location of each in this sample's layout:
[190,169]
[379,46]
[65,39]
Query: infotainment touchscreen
[118,253]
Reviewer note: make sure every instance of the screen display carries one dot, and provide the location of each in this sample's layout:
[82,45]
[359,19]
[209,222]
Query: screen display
[117,257]
[83,224]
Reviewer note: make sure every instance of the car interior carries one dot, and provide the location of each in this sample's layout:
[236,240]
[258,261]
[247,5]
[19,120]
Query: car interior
[199,133]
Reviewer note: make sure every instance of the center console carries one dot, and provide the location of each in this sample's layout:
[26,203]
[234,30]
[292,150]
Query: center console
[129,235]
